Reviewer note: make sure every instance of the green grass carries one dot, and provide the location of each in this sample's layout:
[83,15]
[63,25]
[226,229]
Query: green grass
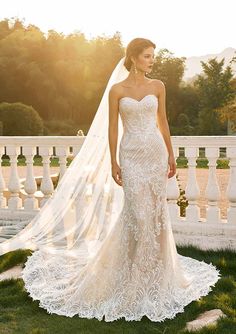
[19,314]
[11,259]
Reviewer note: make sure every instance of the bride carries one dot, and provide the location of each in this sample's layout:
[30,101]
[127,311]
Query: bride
[103,244]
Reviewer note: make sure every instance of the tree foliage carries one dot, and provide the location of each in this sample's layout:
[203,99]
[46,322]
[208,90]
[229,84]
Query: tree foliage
[170,70]
[63,77]
[215,90]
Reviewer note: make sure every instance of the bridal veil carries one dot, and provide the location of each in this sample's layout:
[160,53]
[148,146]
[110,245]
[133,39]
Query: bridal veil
[86,202]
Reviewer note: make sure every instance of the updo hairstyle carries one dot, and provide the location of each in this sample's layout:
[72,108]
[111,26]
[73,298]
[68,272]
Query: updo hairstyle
[134,48]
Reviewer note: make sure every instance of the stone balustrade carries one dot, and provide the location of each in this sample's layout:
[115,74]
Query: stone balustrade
[24,199]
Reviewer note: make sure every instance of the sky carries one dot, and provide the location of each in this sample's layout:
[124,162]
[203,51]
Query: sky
[185,27]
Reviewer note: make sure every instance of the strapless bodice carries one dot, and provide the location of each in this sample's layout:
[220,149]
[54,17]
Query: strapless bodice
[139,116]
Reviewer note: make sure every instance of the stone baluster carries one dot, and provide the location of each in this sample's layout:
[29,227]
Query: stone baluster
[14,202]
[46,186]
[192,190]
[2,182]
[75,150]
[173,194]
[231,187]
[30,186]
[62,152]
[212,188]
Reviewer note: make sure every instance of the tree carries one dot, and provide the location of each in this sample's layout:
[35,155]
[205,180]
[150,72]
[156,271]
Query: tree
[183,127]
[227,113]
[214,90]
[170,70]
[20,120]
[62,76]
[188,103]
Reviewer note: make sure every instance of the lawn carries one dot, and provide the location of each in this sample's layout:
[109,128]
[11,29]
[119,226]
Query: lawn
[20,315]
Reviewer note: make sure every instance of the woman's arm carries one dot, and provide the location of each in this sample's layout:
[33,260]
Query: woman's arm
[164,126]
[113,134]
[113,124]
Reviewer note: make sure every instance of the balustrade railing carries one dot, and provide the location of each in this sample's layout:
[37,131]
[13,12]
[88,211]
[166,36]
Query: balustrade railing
[21,198]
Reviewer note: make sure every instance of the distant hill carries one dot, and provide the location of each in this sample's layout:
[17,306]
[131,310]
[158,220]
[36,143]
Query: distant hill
[193,65]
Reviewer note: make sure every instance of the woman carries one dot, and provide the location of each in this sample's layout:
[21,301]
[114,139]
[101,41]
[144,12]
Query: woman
[105,248]
[139,86]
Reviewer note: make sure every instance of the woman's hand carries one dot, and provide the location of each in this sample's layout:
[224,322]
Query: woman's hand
[172,164]
[116,173]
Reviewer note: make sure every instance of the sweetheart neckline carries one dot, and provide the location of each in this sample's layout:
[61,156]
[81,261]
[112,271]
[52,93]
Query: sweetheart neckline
[138,101]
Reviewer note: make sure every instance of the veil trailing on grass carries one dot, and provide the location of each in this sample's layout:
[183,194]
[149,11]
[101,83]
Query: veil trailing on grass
[86,202]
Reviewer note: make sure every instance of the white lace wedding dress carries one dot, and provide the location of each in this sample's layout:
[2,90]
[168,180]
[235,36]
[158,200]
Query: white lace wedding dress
[137,271]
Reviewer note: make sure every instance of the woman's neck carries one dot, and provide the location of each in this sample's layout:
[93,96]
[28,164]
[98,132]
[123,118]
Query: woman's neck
[137,79]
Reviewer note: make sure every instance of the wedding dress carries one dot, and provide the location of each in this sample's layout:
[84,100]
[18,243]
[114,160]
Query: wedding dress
[128,266]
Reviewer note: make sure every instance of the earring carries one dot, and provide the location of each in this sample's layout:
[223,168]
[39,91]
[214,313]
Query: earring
[135,69]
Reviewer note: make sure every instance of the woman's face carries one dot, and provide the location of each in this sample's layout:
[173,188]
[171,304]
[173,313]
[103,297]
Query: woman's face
[145,60]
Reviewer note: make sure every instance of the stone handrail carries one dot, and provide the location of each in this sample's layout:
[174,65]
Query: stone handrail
[65,146]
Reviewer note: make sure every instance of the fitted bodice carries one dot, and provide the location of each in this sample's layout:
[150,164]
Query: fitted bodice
[139,116]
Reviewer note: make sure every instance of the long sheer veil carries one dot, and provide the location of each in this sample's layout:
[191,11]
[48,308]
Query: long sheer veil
[86,202]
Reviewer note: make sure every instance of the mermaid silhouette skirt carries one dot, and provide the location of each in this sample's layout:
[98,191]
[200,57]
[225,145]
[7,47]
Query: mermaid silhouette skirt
[137,271]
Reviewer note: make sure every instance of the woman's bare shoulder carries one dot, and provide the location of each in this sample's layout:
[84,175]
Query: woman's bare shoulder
[156,82]
[116,89]
[158,85]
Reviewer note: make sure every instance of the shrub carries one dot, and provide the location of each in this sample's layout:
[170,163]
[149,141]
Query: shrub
[19,119]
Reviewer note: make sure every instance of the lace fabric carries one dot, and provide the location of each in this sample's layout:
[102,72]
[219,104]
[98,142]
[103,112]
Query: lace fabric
[135,270]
